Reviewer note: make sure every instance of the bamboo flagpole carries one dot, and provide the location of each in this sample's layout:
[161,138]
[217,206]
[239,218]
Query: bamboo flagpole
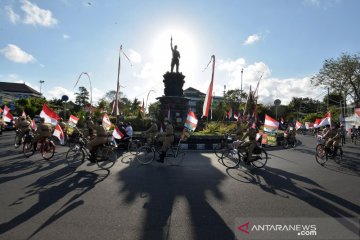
[208,97]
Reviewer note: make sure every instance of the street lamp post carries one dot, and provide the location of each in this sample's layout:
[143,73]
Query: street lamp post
[41,82]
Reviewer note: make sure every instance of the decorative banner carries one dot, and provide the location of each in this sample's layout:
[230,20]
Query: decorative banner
[106,122]
[208,97]
[317,123]
[271,140]
[326,120]
[298,125]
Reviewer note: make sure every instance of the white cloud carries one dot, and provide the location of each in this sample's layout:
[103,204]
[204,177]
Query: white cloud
[65,36]
[37,16]
[134,56]
[252,39]
[13,17]
[324,4]
[16,54]
[58,92]
[270,88]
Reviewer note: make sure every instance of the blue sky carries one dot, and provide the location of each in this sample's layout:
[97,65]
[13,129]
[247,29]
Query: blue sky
[286,41]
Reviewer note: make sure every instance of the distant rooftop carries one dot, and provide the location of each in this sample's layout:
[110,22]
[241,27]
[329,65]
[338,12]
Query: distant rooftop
[17,87]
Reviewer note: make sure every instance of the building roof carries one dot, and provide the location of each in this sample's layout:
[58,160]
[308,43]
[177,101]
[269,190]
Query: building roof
[17,87]
[192,90]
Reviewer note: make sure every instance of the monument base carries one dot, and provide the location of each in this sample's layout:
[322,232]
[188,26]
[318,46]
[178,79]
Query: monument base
[175,109]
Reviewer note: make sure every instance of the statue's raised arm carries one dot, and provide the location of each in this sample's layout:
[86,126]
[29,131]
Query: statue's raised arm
[175,57]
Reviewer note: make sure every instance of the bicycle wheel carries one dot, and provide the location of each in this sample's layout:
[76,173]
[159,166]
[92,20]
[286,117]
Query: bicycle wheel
[177,156]
[75,156]
[145,155]
[230,158]
[28,149]
[48,150]
[16,141]
[339,156]
[133,146]
[320,154]
[106,159]
[260,160]
[219,149]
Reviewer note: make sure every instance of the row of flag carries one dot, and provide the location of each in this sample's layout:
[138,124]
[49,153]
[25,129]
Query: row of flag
[271,124]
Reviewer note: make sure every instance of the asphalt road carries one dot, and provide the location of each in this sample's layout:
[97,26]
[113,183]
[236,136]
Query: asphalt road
[200,199]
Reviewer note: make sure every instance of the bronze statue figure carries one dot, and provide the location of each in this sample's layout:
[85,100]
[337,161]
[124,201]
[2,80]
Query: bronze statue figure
[175,57]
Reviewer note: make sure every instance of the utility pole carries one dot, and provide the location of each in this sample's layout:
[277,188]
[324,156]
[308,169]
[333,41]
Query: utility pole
[41,82]
[327,108]
[224,90]
[242,71]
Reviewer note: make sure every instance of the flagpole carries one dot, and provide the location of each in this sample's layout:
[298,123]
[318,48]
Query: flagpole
[118,87]
[85,73]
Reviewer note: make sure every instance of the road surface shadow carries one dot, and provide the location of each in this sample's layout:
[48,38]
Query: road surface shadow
[163,184]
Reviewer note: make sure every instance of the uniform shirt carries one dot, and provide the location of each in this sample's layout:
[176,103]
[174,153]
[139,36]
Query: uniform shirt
[152,129]
[25,125]
[44,130]
[325,130]
[100,131]
[251,133]
[129,131]
[169,130]
[331,133]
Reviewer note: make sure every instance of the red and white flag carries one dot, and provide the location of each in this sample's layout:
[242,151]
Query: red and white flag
[357,112]
[6,110]
[208,97]
[317,122]
[270,124]
[309,125]
[142,108]
[326,120]
[236,116]
[73,120]
[298,125]
[49,115]
[33,125]
[1,110]
[106,122]
[191,121]
[23,114]
[8,117]
[117,134]
[230,113]
[58,132]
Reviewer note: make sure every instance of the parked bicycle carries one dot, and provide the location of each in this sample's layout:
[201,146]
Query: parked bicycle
[46,148]
[147,153]
[105,155]
[322,156]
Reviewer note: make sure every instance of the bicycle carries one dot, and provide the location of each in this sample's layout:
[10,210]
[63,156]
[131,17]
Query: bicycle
[322,156]
[105,155]
[47,147]
[225,144]
[17,140]
[134,145]
[232,157]
[286,142]
[147,153]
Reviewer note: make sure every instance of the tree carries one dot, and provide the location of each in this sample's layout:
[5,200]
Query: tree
[341,75]
[233,98]
[82,97]
[111,95]
[305,105]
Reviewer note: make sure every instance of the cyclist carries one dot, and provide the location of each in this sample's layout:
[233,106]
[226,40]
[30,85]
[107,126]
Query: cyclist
[332,138]
[326,129]
[239,131]
[167,138]
[63,127]
[100,138]
[342,133]
[129,130]
[90,127]
[151,133]
[24,126]
[42,132]
[2,124]
[291,133]
[249,145]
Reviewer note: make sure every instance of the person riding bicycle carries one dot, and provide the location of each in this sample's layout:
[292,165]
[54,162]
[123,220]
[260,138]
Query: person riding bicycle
[332,138]
[249,145]
[151,133]
[291,134]
[167,138]
[325,130]
[129,130]
[90,127]
[353,132]
[239,132]
[63,127]
[43,131]
[100,138]
[342,133]
[24,127]
[2,125]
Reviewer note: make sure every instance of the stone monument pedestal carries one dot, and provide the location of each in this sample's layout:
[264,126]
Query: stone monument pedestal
[173,100]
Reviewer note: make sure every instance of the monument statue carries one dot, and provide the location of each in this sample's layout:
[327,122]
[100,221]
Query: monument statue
[175,57]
